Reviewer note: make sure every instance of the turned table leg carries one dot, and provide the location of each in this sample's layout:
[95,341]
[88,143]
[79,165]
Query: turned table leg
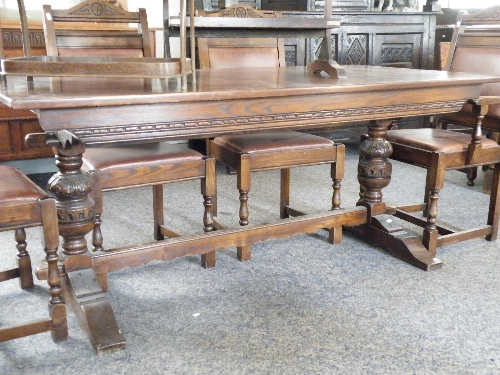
[71,187]
[374,174]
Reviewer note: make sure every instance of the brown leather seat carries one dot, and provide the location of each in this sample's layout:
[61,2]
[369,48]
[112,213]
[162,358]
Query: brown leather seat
[271,142]
[435,140]
[22,205]
[156,162]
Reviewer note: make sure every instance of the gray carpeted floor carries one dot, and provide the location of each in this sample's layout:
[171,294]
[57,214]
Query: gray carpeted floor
[300,306]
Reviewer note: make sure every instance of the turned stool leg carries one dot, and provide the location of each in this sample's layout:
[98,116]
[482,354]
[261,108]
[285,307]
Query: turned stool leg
[208,190]
[23,260]
[97,196]
[158,214]
[243,184]
[57,307]
[284,192]
[435,182]
[337,174]
[430,235]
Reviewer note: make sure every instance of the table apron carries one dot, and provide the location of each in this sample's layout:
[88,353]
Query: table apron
[205,118]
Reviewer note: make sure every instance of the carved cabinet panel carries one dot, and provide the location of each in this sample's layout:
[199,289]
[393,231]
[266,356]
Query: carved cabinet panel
[373,38]
[397,50]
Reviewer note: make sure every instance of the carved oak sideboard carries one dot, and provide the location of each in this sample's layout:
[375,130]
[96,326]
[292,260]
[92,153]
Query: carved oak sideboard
[365,36]
[373,38]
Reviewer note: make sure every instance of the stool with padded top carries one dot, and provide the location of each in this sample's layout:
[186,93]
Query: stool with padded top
[278,150]
[155,164]
[23,205]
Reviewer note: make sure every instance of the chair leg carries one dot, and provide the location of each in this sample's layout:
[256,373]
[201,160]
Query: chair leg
[97,196]
[158,214]
[435,182]
[243,184]
[430,234]
[208,190]
[23,260]
[335,234]
[284,192]
[57,307]
[97,239]
[494,210]
[471,175]
[427,192]
[337,174]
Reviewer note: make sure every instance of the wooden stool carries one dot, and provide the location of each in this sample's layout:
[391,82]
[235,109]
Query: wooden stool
[278,150]
[155,164]
[22,205]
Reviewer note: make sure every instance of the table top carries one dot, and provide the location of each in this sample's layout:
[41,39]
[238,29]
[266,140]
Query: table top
[218,84]
[228,101]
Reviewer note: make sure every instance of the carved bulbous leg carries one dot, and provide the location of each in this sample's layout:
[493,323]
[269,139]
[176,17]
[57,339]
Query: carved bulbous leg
[374,168]
[71,187]
[75,213]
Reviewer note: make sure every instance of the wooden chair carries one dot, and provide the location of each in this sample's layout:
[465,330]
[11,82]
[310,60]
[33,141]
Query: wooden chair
[272,150]
[111,38]
[23,205]
[127,166]
[440,150]
[472,31]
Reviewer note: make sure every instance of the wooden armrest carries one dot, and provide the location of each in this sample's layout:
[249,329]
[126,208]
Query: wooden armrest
[481,107]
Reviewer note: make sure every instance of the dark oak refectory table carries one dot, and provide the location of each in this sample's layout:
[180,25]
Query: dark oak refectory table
[81,112]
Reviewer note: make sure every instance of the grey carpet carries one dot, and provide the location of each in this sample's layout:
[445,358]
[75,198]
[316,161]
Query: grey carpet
[300,306]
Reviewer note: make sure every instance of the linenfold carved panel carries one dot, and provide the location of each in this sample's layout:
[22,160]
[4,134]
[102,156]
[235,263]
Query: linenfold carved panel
[13,38]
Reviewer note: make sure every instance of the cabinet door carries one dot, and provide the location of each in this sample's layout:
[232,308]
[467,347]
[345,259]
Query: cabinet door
[400,50]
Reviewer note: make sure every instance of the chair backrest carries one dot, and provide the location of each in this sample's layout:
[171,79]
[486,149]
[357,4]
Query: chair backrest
[475,48]
[241,52]
[94,31]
